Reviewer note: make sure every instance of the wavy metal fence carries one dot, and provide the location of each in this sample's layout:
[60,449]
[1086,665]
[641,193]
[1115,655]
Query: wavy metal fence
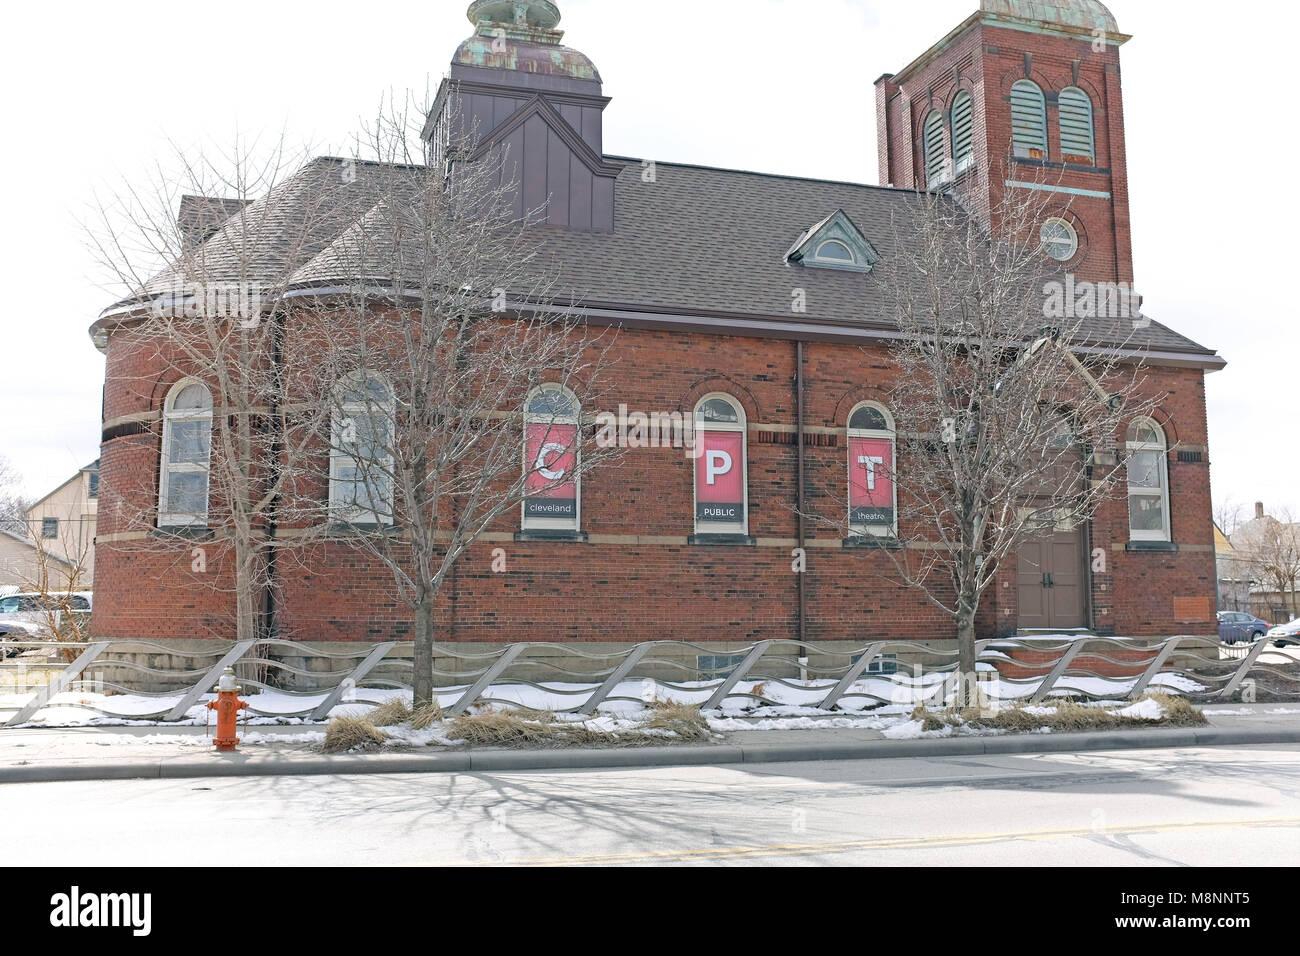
[811,675]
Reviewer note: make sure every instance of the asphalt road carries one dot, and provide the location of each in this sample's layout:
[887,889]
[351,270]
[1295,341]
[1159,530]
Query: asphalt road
[1213,806]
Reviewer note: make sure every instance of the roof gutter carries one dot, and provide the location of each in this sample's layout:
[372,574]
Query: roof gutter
[739,324]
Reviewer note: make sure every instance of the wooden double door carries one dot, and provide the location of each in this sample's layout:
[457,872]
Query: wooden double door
[1052,579]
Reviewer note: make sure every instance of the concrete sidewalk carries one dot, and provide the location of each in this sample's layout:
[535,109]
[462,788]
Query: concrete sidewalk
[122,753]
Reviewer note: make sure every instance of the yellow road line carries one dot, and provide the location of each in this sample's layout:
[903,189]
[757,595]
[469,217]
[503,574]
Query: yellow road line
[897,843]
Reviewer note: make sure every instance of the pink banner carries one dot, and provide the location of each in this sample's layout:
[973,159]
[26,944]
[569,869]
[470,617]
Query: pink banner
[871,481]
[551,457]
[720,477]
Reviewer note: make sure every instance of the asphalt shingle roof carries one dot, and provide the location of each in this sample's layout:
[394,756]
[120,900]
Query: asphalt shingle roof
[695,241]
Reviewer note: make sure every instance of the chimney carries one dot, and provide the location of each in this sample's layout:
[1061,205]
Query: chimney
[201,216]
[1259,509]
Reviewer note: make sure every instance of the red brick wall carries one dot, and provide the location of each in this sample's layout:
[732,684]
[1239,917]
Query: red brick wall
[625,590]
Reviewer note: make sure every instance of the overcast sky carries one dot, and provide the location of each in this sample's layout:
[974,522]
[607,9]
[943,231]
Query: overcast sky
[95,91]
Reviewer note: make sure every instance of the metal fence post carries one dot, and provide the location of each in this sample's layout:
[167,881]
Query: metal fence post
[209,680]
[614,679]
[1165,652]
[1057,672]
[484,682]
[358,673]
[734,677]
[1247,663]
[58,684]
[851,678]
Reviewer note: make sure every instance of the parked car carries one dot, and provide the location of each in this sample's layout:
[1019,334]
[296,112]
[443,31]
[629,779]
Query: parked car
[1237,627]
[1286,635]
[27,616]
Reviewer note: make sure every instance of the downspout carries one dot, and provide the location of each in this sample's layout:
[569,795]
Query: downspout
[269,629]
[803,535]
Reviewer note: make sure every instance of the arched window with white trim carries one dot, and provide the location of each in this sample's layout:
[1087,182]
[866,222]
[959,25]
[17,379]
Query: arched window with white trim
[963,131]
[361,454]
[1077,144]
[873,493]
[1148,482]
[552,460]
[832,250]
[1028,120]
[936,154]
[721,467]
[186,456]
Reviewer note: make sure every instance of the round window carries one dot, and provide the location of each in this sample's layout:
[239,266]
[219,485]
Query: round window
[1060,241]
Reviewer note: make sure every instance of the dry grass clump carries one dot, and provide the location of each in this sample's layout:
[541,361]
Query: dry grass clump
[1179,711]
[1067,716]
[685,720]
[426,715]
[390,713]
[398,711]
[522,727]
[345,734]
[531,728]
[499,727]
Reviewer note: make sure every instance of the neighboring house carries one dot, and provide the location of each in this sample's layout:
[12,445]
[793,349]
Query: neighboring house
[20,563]
[1267,552]
[695,268]
[65,521]
[1233,574]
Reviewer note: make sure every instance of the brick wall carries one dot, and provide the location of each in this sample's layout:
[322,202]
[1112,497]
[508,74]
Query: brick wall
[619,586]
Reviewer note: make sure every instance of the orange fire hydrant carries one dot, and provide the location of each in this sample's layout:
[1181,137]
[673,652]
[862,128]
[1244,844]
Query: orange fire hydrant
[227,705]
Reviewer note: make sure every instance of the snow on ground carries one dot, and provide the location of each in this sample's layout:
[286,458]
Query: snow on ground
[1142,710]
[793,704]
[201,742]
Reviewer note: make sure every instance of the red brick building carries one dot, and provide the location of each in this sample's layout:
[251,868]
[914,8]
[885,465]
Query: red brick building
[696,268]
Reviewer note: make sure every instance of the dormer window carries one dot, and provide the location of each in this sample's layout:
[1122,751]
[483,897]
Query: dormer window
[833,243]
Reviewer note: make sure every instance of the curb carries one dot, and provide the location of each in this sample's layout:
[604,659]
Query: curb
[501,761]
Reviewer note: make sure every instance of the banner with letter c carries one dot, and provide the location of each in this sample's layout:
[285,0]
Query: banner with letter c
[551,456]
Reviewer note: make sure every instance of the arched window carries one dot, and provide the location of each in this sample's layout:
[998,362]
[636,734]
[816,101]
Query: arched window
[832,250]
[552,457]
[1076,127]
[936,156]
[873,494]
[1028,120]
[361,455]
[186,456]
[721,469]
[963,131]
[1148,482]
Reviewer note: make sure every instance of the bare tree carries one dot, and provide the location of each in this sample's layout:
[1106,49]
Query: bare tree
[1228,516]
[1008,427]
[458,381]
[59,575]
[13,506]
[208,255]
[1270,549]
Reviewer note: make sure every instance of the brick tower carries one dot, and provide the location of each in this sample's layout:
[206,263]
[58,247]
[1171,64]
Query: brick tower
[1023,94]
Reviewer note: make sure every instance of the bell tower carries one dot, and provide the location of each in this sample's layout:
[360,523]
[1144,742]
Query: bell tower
[513,87]
[1022,95]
